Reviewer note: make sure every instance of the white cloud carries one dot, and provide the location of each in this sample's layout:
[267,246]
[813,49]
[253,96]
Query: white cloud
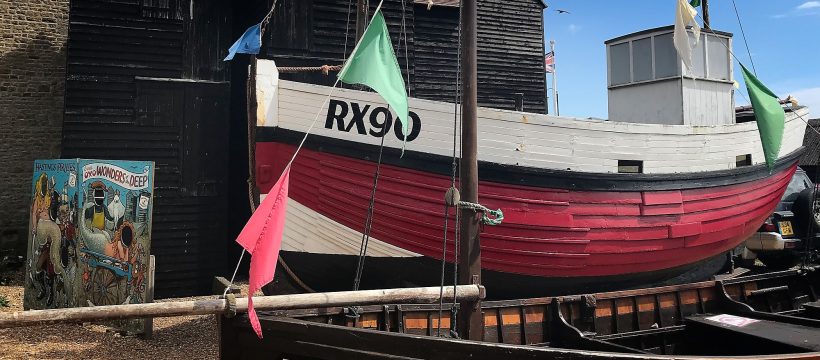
[574,28]
[808,8]
[809,97]
[809,5]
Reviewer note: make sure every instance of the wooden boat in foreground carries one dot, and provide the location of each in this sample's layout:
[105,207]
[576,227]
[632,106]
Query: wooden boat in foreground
[775,315]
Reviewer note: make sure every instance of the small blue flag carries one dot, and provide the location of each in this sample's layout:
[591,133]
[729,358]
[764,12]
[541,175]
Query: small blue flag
[248,43]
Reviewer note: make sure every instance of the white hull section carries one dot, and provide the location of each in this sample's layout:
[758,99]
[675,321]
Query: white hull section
[518,138]
[308,231]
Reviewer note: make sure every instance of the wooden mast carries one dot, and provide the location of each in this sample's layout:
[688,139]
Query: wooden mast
[362,12]
[704,4]
[470,323]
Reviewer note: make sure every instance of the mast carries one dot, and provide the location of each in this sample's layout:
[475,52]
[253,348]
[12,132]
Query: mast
[470,323]
[705,6]
[554,80]
[362,10]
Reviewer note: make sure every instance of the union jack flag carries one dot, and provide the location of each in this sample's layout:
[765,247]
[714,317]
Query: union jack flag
[549,62]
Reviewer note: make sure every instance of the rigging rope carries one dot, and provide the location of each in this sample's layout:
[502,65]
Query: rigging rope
[347,27]
[811,231]
[744,37]
[252,191]
[406,54]
[368,224]
[325,69]
[290,162]
[370,209]
[453,201]
[744,95]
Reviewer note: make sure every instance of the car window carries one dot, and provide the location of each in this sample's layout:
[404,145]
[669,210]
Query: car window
[799,182]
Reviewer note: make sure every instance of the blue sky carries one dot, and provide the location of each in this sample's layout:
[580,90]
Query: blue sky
[784,37]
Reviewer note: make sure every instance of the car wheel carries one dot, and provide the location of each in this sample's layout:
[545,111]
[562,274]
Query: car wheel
[805,211]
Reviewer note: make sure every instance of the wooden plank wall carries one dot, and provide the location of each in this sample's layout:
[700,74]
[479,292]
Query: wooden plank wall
[115,108]
[510,37]
[313,33]
[543,141]
[511,54]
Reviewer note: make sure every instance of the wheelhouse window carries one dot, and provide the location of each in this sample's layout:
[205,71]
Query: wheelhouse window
[630,166]
[743,160]
[653,56]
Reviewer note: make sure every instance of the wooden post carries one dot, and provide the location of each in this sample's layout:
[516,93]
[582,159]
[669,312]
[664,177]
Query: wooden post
[148,323]
[470,323]
[426,295]
[704,4]
[250,99]
[519,101]
[554,80]
[362,12]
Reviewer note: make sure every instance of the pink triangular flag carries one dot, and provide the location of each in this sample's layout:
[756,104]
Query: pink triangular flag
[262,237]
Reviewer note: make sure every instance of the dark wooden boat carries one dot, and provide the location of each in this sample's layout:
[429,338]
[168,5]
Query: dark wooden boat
[662,322]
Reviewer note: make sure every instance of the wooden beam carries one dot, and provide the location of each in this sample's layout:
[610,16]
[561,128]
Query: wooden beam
[426,295]
[362,18]
[470,324]
[705,7]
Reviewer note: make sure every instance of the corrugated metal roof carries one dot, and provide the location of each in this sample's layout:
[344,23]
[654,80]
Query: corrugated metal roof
[811,141]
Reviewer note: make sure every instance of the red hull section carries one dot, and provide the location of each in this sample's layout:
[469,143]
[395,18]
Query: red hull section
[546,232]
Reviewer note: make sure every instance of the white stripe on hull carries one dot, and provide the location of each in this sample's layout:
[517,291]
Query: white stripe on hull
[533,140]
[308,231]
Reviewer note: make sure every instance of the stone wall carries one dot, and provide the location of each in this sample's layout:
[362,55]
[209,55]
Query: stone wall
[33,36]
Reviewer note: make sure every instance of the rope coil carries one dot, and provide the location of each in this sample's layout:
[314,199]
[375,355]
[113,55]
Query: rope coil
[497,215]
[324,69]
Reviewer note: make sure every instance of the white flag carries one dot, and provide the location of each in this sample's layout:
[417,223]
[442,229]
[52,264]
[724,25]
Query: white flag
[685,15]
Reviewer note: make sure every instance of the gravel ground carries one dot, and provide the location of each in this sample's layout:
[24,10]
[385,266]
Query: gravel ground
[186,337]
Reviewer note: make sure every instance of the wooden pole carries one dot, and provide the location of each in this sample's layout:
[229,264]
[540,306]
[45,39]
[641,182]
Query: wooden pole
[554,80]
[362,10]
[470,323]
[426,295]
[704,4]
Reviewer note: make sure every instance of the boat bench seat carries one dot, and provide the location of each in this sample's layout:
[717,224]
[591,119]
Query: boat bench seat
[738,329]
[812,309]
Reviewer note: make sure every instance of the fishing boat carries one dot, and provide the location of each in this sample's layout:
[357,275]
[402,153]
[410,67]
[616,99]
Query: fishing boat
[658,194]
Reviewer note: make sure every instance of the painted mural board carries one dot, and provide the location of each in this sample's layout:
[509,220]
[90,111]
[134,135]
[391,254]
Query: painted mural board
[51,266]
[109,214]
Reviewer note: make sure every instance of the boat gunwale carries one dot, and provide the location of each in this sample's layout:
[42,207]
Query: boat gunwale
[567,122]
[531,176]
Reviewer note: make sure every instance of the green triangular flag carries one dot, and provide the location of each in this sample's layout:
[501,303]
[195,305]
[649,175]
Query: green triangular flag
[694,3]
[373,63]
[769,114]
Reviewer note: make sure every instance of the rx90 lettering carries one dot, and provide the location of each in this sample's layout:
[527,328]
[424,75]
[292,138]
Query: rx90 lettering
[379,118]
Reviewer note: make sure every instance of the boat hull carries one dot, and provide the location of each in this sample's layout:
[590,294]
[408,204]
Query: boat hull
[563,231]
[334,273]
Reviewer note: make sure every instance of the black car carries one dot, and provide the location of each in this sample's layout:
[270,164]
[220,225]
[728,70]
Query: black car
[783,239]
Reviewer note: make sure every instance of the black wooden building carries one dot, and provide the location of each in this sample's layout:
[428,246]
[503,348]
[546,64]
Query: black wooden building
[510,45]
[146,81]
